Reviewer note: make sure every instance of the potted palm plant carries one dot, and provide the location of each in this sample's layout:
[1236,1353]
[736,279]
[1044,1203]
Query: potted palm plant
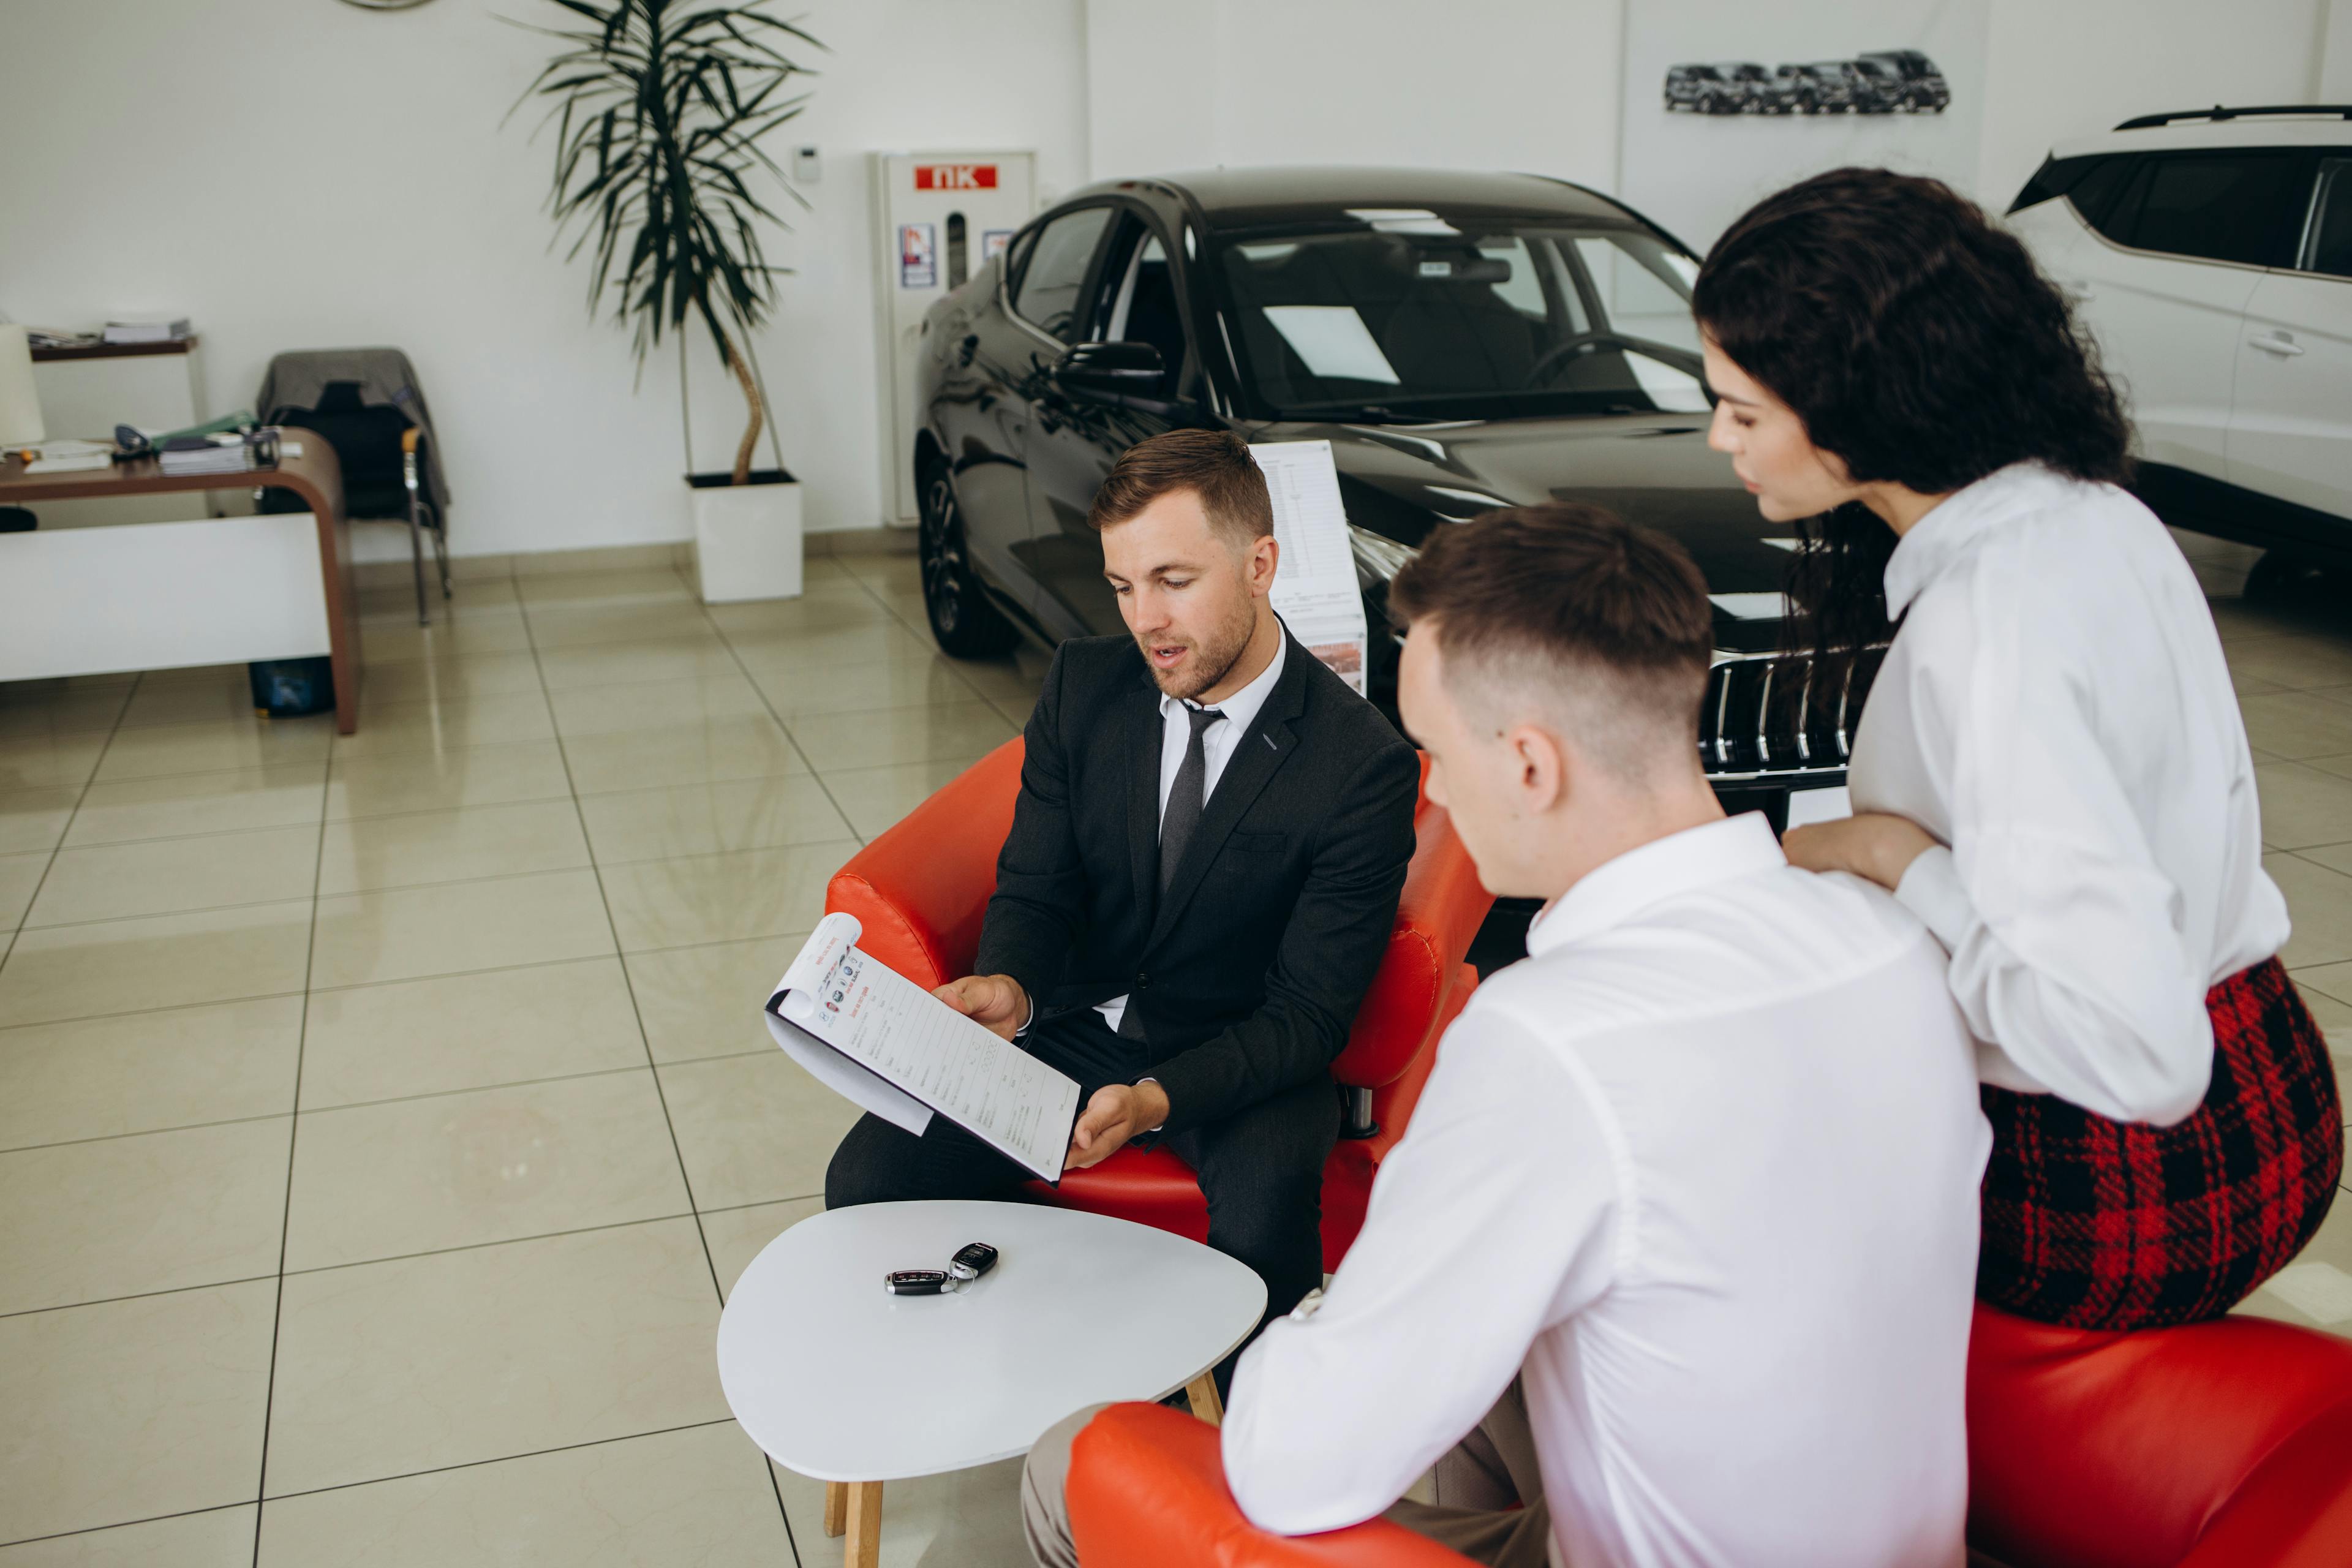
[659,108]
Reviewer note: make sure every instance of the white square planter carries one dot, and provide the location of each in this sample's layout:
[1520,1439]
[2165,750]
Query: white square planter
[746,538]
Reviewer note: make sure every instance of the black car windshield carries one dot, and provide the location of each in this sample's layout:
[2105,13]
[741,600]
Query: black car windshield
[1406,315]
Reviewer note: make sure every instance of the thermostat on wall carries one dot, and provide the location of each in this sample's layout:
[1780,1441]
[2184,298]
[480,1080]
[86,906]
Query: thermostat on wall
[807,166]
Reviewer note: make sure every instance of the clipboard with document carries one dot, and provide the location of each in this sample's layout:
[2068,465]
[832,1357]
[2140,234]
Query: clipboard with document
[889,1046]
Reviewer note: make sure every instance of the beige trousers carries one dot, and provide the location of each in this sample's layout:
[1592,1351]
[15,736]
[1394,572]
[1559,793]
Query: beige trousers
[1476,1484]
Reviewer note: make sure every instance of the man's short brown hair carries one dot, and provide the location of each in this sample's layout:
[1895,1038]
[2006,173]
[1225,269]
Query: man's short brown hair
[1215,465]
[1606,622]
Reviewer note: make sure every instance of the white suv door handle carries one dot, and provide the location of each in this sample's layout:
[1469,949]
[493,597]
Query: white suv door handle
[2278,343]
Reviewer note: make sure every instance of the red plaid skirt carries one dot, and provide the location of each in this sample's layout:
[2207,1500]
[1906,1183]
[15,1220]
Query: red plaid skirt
[2093,1224]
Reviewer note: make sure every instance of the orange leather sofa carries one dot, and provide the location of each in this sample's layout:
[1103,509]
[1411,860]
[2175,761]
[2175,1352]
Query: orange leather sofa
[2224,1445]
[919,892]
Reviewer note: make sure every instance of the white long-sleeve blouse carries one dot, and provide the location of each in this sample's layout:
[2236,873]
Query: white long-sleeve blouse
[2056,709]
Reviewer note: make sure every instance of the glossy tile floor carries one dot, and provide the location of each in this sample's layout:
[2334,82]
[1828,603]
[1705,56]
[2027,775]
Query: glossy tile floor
[383,1118]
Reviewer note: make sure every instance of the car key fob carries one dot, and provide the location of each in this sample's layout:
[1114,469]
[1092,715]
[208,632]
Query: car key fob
[970,1262]
[915,1282]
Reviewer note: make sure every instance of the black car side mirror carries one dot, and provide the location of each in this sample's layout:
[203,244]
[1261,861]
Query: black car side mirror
[1128,373]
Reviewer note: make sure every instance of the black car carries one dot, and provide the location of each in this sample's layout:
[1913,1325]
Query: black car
[1710,89]
[1823,86]
[1878,88]
[1924,90]
[1463,340]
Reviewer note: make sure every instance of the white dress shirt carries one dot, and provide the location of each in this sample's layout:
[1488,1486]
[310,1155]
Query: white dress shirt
[1217,744]
[1706,1162]
[2056,708]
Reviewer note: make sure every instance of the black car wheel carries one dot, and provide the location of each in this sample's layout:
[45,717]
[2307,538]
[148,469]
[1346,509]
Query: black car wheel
[962,620]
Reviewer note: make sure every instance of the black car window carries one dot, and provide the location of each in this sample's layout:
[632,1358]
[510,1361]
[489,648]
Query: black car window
[1016,255]
[2245,206]
[1407,314]
[2056,177]
[2330,247]
[2097,195]
[1138,297]
[1047,293]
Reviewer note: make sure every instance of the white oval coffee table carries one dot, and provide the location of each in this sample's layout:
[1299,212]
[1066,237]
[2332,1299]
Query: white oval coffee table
[846,1383]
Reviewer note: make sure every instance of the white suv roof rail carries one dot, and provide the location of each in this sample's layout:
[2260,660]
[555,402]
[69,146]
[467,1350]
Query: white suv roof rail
[2219,111]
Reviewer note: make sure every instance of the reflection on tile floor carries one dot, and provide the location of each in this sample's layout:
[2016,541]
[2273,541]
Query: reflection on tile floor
[383,1119]
[381,1116]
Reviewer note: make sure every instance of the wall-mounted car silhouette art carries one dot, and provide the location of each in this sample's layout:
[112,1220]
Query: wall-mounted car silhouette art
[1881,81]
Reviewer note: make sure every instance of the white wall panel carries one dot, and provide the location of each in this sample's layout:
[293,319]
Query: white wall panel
[309,175]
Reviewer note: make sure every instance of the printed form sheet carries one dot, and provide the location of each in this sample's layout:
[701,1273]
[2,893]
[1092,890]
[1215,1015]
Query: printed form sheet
[890,1046]
[1314,590]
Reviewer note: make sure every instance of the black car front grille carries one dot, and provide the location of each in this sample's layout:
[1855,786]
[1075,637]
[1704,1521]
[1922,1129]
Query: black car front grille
[1782,714]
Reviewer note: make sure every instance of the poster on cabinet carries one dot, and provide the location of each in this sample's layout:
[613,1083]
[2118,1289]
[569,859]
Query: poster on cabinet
[1724,102]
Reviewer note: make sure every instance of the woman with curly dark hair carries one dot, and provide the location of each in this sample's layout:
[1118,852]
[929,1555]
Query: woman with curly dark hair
[2050,770]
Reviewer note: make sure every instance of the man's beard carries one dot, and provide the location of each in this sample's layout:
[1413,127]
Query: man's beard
[1211,661]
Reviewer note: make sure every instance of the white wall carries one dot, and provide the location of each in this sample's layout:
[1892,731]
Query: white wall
[1475,84]
[303,173]
[311,175]
[2062,68]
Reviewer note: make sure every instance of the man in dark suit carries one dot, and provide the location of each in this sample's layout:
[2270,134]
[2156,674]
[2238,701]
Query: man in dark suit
[1199,886]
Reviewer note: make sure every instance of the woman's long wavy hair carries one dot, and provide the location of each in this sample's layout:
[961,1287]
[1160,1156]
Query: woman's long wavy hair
[1918,341]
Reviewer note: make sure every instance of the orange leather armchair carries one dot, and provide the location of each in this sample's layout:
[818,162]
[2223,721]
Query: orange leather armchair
[919,892]
[2224,1445]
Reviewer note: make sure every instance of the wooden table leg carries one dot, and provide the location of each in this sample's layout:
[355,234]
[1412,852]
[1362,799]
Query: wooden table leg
[1203,1392]
[837,1506]
[864,1547]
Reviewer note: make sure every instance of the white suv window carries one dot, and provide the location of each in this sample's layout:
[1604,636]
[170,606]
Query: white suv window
[2244,206]
[2328,247]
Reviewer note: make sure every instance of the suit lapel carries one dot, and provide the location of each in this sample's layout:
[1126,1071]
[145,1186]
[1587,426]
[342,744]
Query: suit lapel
[1143,726]
[1256,758]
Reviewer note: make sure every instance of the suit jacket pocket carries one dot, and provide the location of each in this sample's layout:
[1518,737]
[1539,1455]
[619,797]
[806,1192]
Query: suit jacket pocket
[1264,847]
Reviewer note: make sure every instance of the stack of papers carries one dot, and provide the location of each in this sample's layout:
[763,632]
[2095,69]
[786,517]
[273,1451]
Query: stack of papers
[202,455]
[70,457]
[147,332]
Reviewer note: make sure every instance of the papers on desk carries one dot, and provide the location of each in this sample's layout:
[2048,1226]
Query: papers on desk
[147,332]
[206,455]
[889,1046]
[70,457]
[1314,590]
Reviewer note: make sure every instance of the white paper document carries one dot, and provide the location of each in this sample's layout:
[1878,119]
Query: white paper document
[1314,590]
[888,1046]
[1807,806]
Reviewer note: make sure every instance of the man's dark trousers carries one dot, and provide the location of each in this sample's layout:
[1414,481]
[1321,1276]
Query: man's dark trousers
[1261,1168]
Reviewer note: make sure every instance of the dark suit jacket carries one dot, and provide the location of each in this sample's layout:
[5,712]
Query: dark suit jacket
[1250,970]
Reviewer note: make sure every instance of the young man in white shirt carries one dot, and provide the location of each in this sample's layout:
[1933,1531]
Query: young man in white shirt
[1687,1214]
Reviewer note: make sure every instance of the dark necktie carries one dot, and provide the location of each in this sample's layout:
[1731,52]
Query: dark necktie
[1186,798]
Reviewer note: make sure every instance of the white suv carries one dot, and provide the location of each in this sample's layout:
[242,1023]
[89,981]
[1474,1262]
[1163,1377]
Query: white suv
[2211,257]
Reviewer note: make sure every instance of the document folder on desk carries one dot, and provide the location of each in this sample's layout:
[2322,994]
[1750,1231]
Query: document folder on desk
[889,1046]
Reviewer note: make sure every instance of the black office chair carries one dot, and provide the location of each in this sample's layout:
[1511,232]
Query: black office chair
[384,461]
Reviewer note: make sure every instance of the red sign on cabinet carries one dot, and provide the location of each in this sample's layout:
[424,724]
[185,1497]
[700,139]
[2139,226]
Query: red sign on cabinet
[955,176]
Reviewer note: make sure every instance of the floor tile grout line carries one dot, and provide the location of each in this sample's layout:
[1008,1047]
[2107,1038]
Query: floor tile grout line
[316,1269]
[142,1132]
[793,741]
[258,1502]
[300,1109]
[254,1503]
[15,936]
[678,1152]
[670,1122]
[140,1295]
[293,1147]
[499,1459]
